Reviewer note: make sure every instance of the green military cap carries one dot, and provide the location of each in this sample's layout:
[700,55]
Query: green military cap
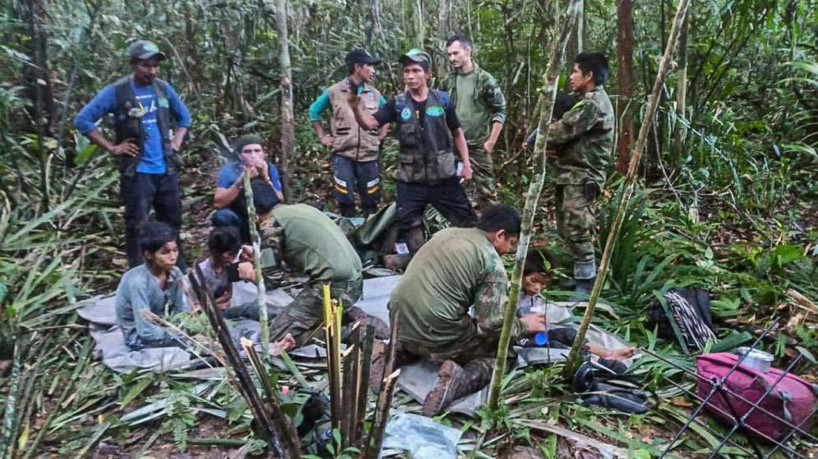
[417,56]
[144,49]
[247,139]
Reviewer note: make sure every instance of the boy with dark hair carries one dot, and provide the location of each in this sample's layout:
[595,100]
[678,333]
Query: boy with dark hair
[457,269]
[428,132]
[223,246]
[154,286]
[354,150]
[145,110]
[530,302]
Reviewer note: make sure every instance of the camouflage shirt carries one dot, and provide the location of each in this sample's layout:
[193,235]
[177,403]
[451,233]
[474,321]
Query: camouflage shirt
[458,268]
[583,139]
[478,100]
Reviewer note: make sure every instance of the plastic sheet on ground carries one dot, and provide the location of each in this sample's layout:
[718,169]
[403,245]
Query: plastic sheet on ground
[421,437]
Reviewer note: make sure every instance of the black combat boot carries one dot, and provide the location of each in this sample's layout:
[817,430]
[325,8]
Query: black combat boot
[453,383]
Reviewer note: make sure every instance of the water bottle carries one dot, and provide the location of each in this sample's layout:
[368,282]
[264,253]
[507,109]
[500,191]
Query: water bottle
[541,339]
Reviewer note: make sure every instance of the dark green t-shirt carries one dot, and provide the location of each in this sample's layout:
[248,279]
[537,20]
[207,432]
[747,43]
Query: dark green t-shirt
[312,244]
[458,268]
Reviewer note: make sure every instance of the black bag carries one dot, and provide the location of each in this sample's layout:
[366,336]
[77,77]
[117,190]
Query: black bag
[684,315]
[620,392]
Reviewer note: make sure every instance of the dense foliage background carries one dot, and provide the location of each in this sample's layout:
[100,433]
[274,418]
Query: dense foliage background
[729,196]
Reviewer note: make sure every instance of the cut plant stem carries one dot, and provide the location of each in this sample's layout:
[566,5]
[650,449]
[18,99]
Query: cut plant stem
[256,239]
[627,192]
[533,197]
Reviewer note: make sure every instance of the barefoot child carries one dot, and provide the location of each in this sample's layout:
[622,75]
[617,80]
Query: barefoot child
[153,286]
[559,337]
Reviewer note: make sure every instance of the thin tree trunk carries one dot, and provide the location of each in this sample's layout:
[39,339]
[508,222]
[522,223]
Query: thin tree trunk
[444,29]
[681,95]
[555,61]
[630,184]
[624,77]
[287,117]
[575,41]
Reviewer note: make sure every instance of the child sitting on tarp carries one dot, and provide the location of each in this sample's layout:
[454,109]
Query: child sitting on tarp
[154,286]
[534,279]
[220,270]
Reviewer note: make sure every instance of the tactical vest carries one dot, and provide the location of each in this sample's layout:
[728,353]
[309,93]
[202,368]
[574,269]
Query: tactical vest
[349,140]
[425,154]
[130,127]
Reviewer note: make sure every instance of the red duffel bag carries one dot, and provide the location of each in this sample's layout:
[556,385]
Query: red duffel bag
[792,399]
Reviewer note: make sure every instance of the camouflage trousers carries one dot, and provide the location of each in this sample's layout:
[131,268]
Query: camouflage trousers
[482,190]
[305,314]
[473,351]
[576,216]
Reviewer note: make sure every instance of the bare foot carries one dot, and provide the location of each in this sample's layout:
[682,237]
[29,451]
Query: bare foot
[620,354]
[286,343]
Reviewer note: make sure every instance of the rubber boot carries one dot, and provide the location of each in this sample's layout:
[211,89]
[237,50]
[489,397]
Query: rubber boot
[454,382]
[584,276]
[583,289]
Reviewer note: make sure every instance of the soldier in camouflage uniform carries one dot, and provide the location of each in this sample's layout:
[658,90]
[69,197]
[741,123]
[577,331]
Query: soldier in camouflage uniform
[309,243]
[481,109]
[457,269]
[583,140]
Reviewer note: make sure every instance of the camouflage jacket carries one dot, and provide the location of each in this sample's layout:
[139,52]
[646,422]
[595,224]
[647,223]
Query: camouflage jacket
[583,139]
[487,105]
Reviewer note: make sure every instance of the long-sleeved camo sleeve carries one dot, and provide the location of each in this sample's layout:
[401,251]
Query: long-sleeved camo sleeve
[490,302]
[495,100]
[580,119]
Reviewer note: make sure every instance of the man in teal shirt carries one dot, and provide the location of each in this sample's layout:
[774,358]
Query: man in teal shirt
[354,149]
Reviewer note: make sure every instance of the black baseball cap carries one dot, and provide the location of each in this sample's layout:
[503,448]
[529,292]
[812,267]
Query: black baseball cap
[417,56]
[361,56]
[144,49]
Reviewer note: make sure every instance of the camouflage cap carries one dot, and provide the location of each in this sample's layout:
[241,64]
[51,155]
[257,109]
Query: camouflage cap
[144,49]
[418,56]
[247,139]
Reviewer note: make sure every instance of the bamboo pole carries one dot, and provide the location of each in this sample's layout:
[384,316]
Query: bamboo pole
[535,188]
[278,441]
[256,239]
[630,184]
[332,332]
[282,423]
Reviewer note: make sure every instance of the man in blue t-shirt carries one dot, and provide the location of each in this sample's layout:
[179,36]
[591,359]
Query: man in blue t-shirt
[229,197]
[146,110]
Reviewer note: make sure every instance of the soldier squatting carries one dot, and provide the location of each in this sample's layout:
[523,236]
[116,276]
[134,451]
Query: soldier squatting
[446,137]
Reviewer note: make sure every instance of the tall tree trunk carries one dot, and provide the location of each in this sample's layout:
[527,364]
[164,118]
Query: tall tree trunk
[681,96]
[624,77]
[627,192]
[373,21]
[37,78]
[444,29]
[550,84]
[287,117]
[575,41]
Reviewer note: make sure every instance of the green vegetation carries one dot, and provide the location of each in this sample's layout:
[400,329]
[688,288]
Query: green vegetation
[734,210]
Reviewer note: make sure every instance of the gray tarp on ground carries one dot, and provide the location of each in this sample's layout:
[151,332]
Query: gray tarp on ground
[110,345]
[416,380]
